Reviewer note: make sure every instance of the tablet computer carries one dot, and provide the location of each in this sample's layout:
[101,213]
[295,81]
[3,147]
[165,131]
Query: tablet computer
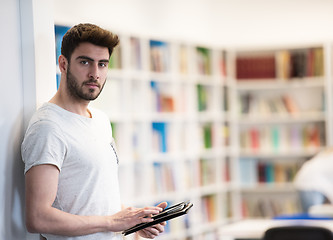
[167,214]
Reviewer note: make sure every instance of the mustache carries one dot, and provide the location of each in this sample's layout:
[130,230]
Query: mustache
[92,81]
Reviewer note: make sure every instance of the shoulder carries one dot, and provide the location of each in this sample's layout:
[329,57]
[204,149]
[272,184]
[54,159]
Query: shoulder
[46,117]
[45,123]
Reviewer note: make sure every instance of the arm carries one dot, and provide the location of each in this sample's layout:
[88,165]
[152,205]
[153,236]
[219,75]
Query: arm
[41,217]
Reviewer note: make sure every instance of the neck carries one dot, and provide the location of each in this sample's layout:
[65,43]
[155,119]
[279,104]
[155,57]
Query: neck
[75,106]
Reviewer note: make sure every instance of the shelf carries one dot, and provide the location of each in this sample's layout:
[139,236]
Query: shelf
[269,188]
[280,155]
[282,118]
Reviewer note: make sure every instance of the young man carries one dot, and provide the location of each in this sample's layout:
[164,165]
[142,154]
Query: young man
[70,160]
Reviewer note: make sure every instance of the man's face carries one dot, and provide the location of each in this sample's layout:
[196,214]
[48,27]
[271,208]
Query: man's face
[87,71]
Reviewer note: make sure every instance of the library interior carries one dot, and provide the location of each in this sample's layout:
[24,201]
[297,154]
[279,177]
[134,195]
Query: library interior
[226,104]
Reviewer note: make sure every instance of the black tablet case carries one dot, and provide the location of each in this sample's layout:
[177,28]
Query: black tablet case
[180,209]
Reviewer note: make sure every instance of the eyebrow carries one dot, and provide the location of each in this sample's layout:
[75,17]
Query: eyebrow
[92,60]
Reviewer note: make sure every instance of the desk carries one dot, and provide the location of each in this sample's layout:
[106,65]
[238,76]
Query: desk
[255,228]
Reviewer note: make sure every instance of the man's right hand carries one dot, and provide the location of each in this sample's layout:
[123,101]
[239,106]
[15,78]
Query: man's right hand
[131,216]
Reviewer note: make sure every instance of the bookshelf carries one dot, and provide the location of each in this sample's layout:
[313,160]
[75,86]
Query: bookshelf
[192,122]
[283,117]
[164,100]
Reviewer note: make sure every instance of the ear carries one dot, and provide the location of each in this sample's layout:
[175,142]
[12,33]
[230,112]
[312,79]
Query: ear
[63,63]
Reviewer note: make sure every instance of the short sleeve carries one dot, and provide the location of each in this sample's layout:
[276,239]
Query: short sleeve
[43,143]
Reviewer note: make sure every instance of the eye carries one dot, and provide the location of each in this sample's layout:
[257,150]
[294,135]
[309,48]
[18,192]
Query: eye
[84,62]
[103,64]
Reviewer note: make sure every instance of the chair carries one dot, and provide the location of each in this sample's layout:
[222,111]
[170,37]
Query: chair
[298,233]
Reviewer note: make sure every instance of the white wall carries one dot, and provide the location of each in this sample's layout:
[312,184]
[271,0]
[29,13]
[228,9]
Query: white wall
[213,22]
[27,67]
[11,123]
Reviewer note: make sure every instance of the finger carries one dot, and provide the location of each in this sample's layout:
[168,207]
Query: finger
[159,228]
[162,205]
[146,212]
[147,234]
[152,231]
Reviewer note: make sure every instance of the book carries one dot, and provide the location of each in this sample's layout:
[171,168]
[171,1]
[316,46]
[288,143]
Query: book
[183,60]
[162,100]
[164,177]
[207,136]
[290,104]
[298,63]
[223,64]
[207,172]
[209,208]
[282,64]
[159,56]
[160,136]
[255,67]
[319,62]
[204,64]
[248,171]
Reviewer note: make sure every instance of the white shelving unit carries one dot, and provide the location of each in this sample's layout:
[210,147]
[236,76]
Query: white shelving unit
[152,102]
[271,141]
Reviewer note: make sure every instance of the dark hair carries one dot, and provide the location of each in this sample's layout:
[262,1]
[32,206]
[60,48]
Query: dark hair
[86,32]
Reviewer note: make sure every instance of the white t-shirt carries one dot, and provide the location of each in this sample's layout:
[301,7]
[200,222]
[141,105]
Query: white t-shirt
[83,150]
[317,174]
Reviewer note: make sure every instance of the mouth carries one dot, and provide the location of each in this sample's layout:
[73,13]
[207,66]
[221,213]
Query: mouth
[92,85]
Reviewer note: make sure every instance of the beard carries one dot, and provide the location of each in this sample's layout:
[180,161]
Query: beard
[78,92]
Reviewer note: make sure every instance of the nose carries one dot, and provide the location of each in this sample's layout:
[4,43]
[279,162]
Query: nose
[94,72]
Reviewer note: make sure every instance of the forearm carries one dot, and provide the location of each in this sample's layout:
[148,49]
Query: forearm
[54,221]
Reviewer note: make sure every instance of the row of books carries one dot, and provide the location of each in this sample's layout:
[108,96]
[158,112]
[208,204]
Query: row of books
[283,105]
[162,141]
[300,63]
[269,207]
[204,61]
[167,178]
[265,139]
[254,171]
[204,98]
[284,138]
[284,64]
[160,58]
